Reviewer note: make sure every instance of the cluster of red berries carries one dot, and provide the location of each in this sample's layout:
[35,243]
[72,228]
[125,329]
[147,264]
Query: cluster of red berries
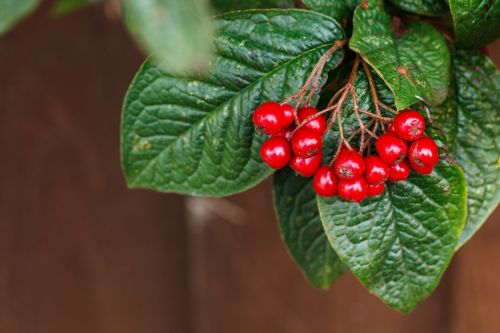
[301,149]
[351,176]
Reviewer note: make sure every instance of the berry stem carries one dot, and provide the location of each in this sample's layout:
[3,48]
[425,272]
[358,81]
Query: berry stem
[360,121]
[374,116]
[348,88]
[358,131]
[308,119]
[387,108]
[313,80]
[334,98]
[373,90]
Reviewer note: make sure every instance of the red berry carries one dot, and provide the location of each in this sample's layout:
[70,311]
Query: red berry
[317,124]
[286,133]
[409,125]
[306,167]
[325,182]
[306,142]
[353,190]
[275,152]
[422,169]
[349,165]
[399,171]
[288,116]
[375,189]
[344,149]
[376,171]
[390,128]
[424,152]
[390,148]
[268,118]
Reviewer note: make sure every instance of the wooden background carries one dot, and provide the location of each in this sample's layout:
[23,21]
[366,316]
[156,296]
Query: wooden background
[81,253]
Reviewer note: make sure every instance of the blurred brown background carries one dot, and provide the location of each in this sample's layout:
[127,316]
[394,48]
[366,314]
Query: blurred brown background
[81,253]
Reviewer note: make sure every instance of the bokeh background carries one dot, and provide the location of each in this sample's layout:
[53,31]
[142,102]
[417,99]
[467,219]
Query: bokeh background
[80,253]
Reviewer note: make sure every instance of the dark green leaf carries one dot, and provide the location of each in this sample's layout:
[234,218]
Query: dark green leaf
[229,5]
[471,120]
[477,22]
[413,60]
[341,10]
[423,7]
[63,7]
[195,135]
[178,33]
[301,228]
[399,244]
[11,11]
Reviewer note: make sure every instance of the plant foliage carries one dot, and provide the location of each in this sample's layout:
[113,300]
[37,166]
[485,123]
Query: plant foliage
[193,134]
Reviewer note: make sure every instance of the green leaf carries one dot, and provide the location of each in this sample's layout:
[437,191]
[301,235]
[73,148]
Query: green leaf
[413,60]
[63,7]
[477,22]
[470,119]
[301,229]
[229,5]
[399,244]
[195,135]
[12,11]
[178,33]
[423,7]
[341,10]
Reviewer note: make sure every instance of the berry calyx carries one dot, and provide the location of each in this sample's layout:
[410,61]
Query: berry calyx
[349,165]
[276,152]
[424,152]
[409,125]
[399,171]
[317,124]
[325,182]
[374,190]
[422,169]
[306,167]
[353,190]
[269,119]
[288,116]
[376,170]
[390,148]
[306,142]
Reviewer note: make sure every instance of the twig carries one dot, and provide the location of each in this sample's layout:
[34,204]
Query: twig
[312,81]
[387,108]
[374,116]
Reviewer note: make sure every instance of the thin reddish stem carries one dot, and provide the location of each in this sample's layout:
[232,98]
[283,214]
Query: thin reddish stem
[387,108]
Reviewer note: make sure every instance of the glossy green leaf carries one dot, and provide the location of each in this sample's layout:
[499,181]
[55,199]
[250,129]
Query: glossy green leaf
[195,135]
[301,229]
[413,60]
[477,22]
[63,7]
[341,10]
[178,33]
[423,7]
[11,11]
[471,120]
[399,244]
[229,5]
